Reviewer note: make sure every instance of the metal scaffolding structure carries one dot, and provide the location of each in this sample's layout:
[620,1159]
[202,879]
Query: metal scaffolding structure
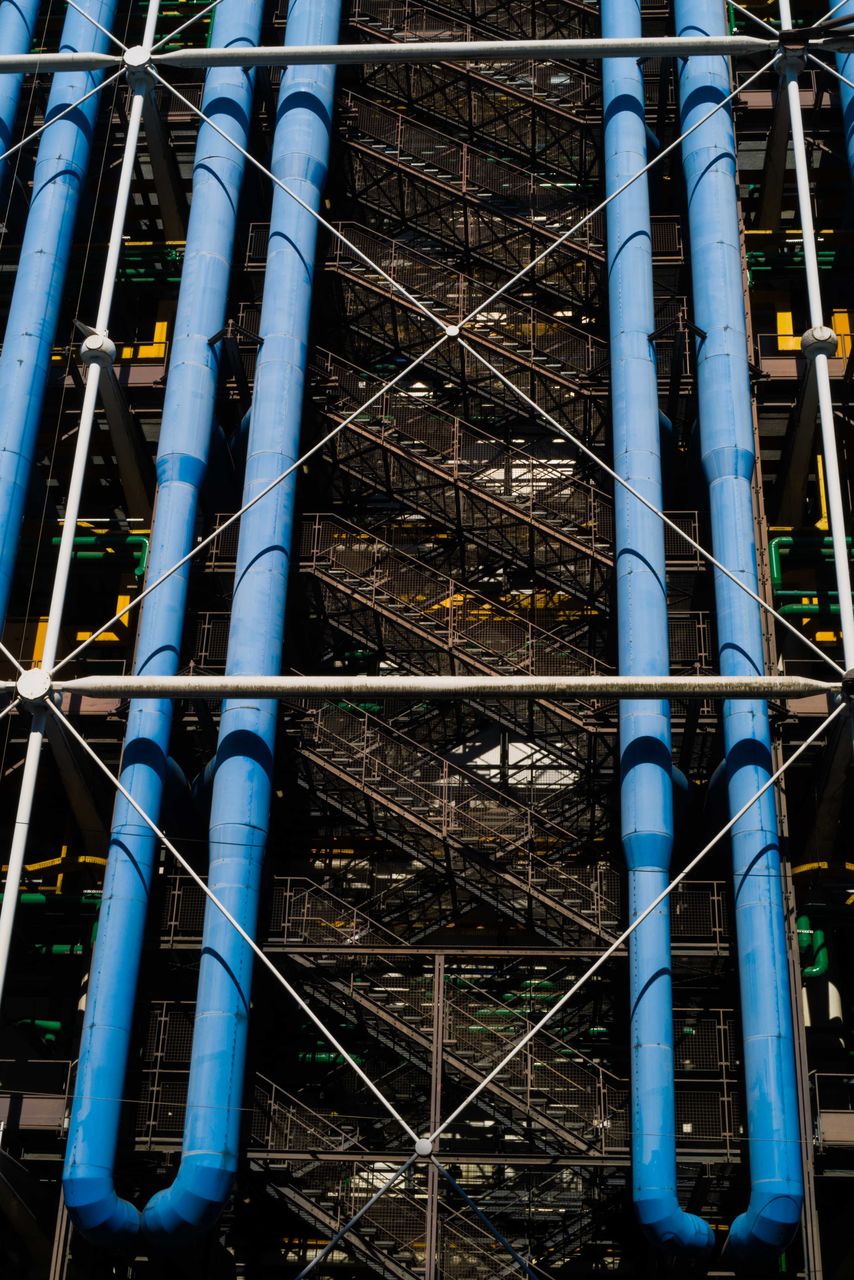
[445,797]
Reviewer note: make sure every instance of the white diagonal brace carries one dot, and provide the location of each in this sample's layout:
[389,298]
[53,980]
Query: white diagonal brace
[334,231]
[69,728]
[262,493]
[627,933]
[576,226]
[670,524]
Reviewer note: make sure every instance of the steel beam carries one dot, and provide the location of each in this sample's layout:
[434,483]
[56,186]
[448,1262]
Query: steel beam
[522,686]
[426,51]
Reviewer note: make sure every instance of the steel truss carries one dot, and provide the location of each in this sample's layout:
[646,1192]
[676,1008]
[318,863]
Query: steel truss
[35,690]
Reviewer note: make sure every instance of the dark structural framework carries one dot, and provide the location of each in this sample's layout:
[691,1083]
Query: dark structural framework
[428,641]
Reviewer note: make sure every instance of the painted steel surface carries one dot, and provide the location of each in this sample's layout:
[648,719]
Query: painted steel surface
[240,804]
[845,67]
[646,791]
[58,179]
[181,464]
[17,29]
[727,448]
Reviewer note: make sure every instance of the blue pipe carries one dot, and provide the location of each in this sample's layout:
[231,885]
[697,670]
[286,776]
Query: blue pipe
[181,464]
[845,67]
[59,177]
[17,30]
[646,789]
[727,449]
[240,804]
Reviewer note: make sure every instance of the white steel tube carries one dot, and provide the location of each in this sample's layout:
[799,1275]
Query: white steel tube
[836,509]
[216,687]
[18,846]
[426,51]
[17,851]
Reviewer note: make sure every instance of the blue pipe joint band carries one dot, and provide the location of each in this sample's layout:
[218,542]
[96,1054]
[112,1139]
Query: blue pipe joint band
[646,789]
[726,428]
[204,1177]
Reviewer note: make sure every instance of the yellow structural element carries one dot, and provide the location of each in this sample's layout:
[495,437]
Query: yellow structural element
[110,637]
[157,347]
[788,340]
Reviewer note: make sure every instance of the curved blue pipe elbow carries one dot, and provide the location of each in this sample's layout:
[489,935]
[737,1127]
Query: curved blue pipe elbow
[646,790]
[726,431]
[181,464]
[17,30]
[58,179]
[240,804]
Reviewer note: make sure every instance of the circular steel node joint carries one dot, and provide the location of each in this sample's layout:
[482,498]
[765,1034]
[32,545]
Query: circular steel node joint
[97,348]
[818,341]
[452,330]
[137,64]
[423,1147]
[33,685]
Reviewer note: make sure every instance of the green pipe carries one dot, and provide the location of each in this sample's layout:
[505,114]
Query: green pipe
[99,549]
[813,940]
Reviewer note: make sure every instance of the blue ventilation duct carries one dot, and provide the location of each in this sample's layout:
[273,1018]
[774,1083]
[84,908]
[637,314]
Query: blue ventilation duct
[59,177]
[646,790]
[727,448]
[845,67]
[17,29]
[181,463]
[240,804]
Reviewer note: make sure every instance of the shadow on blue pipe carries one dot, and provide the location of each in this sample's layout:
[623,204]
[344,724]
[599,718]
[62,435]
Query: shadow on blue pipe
[727,450]
[240,803]
[646,788]
[17,29]
[58,179]
[188,411]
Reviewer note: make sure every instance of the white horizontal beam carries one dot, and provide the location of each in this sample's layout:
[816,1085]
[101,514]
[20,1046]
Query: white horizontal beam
[737,46]
[356,687]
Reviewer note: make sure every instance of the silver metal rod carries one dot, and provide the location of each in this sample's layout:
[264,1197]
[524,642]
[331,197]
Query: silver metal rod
[344,1231]
[430,51]
[72,511]
[18,846]
[521,686]
[833,484]
[480,51]
[30,63]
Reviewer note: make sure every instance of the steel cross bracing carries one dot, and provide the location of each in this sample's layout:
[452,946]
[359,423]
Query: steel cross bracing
[36,688]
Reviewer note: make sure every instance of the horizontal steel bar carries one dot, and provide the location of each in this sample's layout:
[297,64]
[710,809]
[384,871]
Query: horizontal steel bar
[215,687]
[474,50]
[429,51]
[30,63]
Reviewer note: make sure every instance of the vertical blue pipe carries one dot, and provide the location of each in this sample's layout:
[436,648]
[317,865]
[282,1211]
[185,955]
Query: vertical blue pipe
[646,793]
[727,448]
[60,172]
[181,463]
[240,805]
[17,30]
[845,67]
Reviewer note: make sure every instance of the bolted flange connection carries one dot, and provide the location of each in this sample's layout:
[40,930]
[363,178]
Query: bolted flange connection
[818,341]
[423,1147]
[33,685]
[97,348]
